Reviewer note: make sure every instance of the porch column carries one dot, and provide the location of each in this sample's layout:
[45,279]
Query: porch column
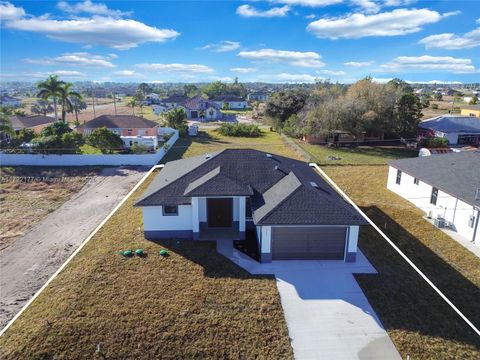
[241,217]
[195,219]
[352,241]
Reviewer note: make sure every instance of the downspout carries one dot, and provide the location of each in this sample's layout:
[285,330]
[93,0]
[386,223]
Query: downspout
[475,228]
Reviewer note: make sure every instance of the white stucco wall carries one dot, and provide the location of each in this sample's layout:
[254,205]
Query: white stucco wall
[353,239]
[154,220]
[266,239]
[448,207]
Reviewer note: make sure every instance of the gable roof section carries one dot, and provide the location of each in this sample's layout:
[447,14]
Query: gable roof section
[457,174]
[274,196]
[119,122]
[452,124]
[215,183]
[30,121]
[280,188]
[199,103]
[228,98]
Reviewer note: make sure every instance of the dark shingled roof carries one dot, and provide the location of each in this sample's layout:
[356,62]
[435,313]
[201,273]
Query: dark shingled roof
[119,122]
[175,98]
[228,98]
[457,174]
[452,124]
[199,103]
[282,189]
[30,121]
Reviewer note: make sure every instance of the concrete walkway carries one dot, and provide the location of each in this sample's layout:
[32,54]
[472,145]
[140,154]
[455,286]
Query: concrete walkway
[30,260]
[327,314]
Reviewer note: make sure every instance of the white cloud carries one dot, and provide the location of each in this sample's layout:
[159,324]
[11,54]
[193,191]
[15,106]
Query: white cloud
[435,82]
[310,3]
[75,59]
[291,78]
[295,58]
[396,22]
[451,41]
[89,8]
[368,6]
[359,63]
[250,11]
[222,46]
[332,72]
[180,68]
[9,11]
[310,16]
[381,80]
[242,70]
[429,63]
[478,21]
[120,34]
[125,73]
[68,73]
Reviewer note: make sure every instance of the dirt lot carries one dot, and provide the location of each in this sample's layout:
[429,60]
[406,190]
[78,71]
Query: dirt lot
[28,195]
[29,260]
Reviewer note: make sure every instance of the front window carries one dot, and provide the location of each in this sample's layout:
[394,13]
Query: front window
[434,196]
[399,177]
[170,210]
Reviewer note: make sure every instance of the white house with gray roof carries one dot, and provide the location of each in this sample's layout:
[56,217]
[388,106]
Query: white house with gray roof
[445,187]
[285,206]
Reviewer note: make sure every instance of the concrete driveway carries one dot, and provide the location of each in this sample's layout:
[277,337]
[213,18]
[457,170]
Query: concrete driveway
[327,314]
[30,260]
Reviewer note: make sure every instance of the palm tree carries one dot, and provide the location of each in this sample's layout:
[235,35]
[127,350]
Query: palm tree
[132,103]
[41,107]
[6,129]
[78,105]
[50,89]
[66,96]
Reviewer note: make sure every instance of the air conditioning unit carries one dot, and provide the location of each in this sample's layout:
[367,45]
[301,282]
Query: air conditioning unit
[471,221]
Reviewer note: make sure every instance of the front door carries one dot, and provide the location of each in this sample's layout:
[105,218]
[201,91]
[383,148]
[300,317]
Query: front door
[194,114]
[219,212]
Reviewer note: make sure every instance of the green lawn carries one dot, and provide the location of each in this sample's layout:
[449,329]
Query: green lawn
[361,155]
[419,322]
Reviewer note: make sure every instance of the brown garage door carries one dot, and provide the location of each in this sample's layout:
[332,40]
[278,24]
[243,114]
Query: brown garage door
[323,243]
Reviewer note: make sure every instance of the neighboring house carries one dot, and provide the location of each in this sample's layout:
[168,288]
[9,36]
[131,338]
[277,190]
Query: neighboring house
[458,130]
[152,99]
[445,187]
[232,101]
[470,110]
[293,211]
[257,96]
[174,100]
[36,122]
[9,101]
[123,125]
[198,108]
[160,109]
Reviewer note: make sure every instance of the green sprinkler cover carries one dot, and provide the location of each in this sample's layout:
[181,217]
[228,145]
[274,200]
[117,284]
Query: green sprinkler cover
[163,252]
[127,253]
[139,252]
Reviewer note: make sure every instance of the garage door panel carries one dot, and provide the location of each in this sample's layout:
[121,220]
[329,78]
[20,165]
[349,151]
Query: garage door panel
[290,243]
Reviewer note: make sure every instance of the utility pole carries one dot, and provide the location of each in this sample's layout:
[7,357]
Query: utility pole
[115,103]
[93,104]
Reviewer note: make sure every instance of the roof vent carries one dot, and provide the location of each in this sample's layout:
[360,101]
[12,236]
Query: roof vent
[276,167]
[269,155]
[208,156]
[314,184]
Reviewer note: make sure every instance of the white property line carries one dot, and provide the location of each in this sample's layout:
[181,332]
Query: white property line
[397,249]
[92,234]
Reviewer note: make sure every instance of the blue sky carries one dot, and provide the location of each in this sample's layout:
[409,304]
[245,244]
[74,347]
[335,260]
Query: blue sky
[271,41]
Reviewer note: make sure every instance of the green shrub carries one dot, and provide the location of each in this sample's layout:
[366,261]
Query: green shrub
[434,106]
[434,143]
[139,148]
[240,129]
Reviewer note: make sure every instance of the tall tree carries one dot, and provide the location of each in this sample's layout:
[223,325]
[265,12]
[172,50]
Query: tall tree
[132,103]
[50,89]
[42,107]
[78,105]
[177,119]
[65,98]
[408,113]
[6,129]
[145,89]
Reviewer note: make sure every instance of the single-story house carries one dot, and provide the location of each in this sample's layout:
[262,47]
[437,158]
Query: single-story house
[458,130]
[293,211]
[257,96]
[445,187]
[10,101]
[233,102]
[174,100]
[152,99]
[122,125]
[160,109]
[198,108]
[36,122]
[470,110]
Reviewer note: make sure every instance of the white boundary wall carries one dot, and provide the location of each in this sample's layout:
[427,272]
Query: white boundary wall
[87,160]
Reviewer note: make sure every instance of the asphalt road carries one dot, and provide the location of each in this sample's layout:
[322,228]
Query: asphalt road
[30,260]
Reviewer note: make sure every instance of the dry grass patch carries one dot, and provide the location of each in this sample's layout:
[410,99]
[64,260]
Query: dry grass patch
[24,204]
[419,322]
[192,304]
